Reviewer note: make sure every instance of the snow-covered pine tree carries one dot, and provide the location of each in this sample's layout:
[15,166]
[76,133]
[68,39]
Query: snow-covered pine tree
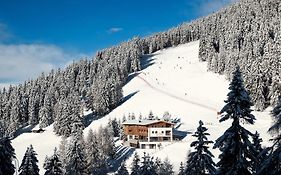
[260,153]
[151,116]
[6,112]
[29,163]
[33,109]
[275,88]
[45,118]
[7,154]
[3,124]
[15,117]
[237,150]
[106,92]
[107,142]
[276,127]
[181,170]
[115,125]
[200,160]
[46,111]
[133,116]
[2,128]
[53,164]
[75,157]
[62,124]
[140,116]
[148,166]
[75,114]
[135,165]
[97,152]
[166,116]
[69,118]
[129,116]
[165,168]
[124,118]
[258,86]
[122,135]
[93,153]
[157,164]
[272,164]
[62,152]
[122,170]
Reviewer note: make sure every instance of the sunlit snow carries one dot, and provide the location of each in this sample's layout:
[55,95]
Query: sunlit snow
[175,82]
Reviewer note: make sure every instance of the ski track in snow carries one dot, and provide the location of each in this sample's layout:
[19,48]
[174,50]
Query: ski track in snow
[176,97]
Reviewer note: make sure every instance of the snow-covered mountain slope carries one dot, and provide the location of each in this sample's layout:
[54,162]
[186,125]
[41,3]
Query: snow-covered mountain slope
[175,81]
[43,144]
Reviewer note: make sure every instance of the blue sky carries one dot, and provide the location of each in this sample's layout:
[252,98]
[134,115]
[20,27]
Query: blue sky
[50,34]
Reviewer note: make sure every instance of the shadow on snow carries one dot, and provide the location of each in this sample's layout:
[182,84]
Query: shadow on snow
[147,61]
[88,119]
[122,153]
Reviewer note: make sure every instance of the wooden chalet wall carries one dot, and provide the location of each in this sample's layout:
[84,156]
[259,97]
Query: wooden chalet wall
[160,124]
[137,130]
[142,130]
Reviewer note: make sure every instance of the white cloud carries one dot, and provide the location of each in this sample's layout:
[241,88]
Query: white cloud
[24,61]
[114,30]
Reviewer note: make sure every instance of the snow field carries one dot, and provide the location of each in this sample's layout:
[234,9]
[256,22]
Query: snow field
[175,82]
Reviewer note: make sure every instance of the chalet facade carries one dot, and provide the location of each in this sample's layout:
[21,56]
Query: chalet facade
[148,134]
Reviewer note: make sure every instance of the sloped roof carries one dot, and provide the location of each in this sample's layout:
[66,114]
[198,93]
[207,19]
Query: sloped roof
[143,122]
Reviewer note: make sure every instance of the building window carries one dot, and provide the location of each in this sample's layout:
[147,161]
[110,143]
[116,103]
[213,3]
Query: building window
[155,132]
[162,132]
[130,130]
[152,146]
[152,132]
[168,133]
[166,138]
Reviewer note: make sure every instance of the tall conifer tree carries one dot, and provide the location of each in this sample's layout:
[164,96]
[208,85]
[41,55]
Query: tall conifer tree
[29,163]
[237,150]
[272,164]
[200,161]
[75,157]
[7,154]
[53,164]
[136,165]
[122,170]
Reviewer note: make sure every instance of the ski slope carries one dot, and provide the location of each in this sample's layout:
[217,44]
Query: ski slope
[175,82]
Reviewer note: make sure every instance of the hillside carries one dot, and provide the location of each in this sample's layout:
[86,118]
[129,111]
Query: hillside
[174,80]
[246,33]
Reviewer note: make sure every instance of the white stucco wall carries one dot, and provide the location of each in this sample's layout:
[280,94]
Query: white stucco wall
[159,132]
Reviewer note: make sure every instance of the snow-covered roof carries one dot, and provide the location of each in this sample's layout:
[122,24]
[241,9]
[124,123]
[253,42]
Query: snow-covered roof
[143,122]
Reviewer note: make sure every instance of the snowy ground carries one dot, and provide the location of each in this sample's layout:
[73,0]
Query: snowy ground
[176,82]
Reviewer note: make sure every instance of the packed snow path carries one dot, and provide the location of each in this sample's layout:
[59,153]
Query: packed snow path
[176,97]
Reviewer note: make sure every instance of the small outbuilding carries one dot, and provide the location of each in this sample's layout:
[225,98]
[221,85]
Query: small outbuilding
[38,130]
